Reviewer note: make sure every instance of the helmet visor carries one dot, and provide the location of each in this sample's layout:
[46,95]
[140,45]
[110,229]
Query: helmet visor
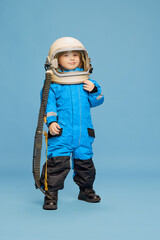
[61,71]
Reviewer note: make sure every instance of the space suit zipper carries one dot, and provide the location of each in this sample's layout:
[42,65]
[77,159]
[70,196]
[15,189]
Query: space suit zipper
[72,109]
[80,113]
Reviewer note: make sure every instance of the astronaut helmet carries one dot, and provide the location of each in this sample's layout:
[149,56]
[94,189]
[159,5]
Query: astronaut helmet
[67,44]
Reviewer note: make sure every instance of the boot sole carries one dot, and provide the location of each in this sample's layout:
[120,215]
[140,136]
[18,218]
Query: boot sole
[88,200]
[49,207]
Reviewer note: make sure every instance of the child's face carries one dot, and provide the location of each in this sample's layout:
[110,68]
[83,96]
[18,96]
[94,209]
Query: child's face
[69,60]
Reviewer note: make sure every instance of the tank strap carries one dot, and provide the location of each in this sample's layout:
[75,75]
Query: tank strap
[38,135]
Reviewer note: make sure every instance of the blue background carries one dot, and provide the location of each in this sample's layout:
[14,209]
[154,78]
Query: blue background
[122,38]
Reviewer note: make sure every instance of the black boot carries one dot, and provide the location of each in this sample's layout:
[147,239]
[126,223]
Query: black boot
[50,204]
[88,194]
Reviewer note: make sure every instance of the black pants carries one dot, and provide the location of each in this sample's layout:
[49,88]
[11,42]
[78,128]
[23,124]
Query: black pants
[59,167]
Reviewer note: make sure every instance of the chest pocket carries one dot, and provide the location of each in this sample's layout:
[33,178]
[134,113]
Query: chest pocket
[63,117]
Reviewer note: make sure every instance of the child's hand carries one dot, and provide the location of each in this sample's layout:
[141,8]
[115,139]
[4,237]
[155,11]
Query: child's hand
[88,85]
[54,128]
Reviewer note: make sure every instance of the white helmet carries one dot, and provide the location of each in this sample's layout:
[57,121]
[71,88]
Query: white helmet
[72,77]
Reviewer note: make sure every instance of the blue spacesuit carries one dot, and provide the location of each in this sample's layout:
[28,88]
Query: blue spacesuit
[69,105]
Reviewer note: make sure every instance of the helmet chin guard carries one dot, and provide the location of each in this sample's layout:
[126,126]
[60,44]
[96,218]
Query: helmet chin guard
[66,44]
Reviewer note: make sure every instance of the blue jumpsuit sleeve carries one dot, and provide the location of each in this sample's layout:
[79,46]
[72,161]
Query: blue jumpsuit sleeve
[51,108]
[97,97]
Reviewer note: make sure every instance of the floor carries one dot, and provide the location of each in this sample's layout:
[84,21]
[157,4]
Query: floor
[129,210]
